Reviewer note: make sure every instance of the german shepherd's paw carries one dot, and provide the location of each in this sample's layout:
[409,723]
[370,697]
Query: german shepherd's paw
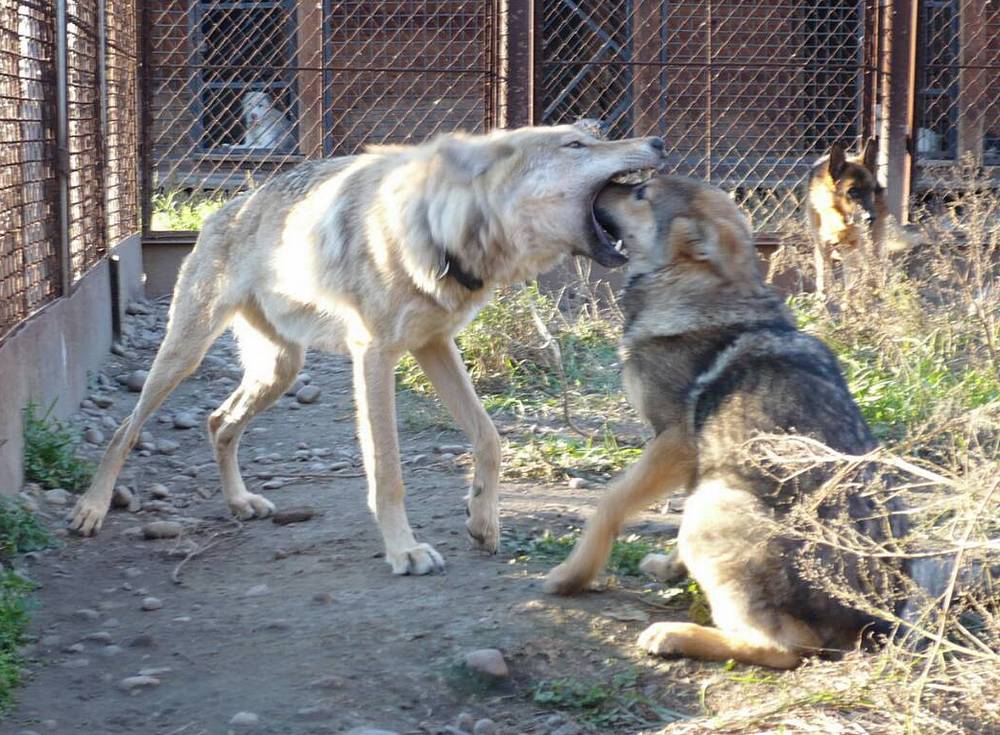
[664,639]
[88,516]
[421,559]
[250,505]
[565,579]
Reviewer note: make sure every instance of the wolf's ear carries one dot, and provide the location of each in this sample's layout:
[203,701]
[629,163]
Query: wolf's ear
[837,160]
[690,240]
[469,159]
[869,157]
[592,126]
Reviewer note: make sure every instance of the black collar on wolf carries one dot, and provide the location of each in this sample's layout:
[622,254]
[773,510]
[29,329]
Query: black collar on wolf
[449,266]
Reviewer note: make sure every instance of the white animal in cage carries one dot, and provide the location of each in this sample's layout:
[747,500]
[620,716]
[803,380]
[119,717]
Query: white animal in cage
[265,126]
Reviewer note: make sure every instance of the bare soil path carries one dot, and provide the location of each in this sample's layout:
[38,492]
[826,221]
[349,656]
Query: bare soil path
[303,625]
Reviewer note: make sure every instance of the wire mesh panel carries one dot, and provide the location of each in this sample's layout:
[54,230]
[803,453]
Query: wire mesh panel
[239,90]
[29,249]
[86,208]
[746,95]
[121,177]
[959,102]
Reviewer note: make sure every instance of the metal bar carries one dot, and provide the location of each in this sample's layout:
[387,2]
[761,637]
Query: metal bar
[101,150]
[145,106]
[899,92]
[62,145]
[519,87]
[708,93]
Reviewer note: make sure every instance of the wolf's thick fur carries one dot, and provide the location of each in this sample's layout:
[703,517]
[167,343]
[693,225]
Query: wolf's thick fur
[845,209]
[712,358]
[378,254]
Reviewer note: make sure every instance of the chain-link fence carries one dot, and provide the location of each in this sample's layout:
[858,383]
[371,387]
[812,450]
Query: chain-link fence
[958,106]
[240,90]
[747,94]
[68,160]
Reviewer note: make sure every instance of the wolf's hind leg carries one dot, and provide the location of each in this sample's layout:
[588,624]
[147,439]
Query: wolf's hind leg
[443,366]
[666,464]
[192,328]
[270,366]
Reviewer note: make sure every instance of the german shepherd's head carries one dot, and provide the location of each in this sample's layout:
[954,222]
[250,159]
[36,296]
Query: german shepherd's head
[681,227]
[848,185]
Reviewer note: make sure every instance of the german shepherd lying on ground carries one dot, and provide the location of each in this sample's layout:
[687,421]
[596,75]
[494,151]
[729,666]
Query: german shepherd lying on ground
[845,209]
[712,358]
[378,254]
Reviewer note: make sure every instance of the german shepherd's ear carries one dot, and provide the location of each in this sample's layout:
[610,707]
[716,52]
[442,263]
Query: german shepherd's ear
[838,160]
[468,159]
[869,157]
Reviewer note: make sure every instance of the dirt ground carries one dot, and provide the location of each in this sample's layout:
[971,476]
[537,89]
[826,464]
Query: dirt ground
[303,625]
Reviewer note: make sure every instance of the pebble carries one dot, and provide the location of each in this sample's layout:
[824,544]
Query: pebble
[297,514]
[151,603]
[75,648]
[167,446]
[109,423]
[484,727]
[326,682]
[144,640]
[124,498]
[137,307]
[308,394]
[93,436]
[244,718]
[26,732]
[465,722]
[578,483]
[369,731]
[101,636]
[87,613]
[323,598]
[162,529]
[306,378]
[569,728]
[295,388]
[275,484]
[258,590]
[57,496]
[109,651]
[487,661]
[316,712]
[117,349]
[185,421]
[137,683]
[452,449]
[103,401]
[135,380]
[160,491]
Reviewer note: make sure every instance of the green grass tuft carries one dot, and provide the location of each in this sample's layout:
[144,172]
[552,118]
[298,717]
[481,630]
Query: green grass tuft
[14,605]
[20,530]
[50,457]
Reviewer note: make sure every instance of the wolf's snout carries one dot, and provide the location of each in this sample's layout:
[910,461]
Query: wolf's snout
[656,144]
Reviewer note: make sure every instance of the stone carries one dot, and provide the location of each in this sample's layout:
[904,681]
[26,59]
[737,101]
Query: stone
[578,483]
[134,684]
[93,435]
[122,497]
[662,567]
[465,722]
[117,349]
[100,636]
[244,718]
[568,728]
[369,731]
[162,529]
[484,726]
[454,449]
[323,598]
[185,420]
[487,661]
[167,446]
[135,380]
[109,423]
[308,394]
[143,640]
[137,307]
[151,603]
[258,590]
[57,496]
[316,713]
[306,378]
[159,491]
[275,484]
[298,514]
[295,388]
[102,401]
[326,682]
[87,614]
[109,651]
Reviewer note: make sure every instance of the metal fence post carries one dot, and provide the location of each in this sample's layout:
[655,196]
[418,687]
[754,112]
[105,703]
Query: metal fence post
[519,82]
[62,145]
[899,96]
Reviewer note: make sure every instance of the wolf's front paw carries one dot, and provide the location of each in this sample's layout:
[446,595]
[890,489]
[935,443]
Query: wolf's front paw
[421,559]
[662,639]
[565,579]
[88,516]
[483,525]
[249,505]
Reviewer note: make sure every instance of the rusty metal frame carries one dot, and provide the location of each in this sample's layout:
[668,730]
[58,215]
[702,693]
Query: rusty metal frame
[899,96]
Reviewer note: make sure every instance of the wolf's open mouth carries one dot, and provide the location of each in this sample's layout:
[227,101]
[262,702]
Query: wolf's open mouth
[605,231]
[609,250]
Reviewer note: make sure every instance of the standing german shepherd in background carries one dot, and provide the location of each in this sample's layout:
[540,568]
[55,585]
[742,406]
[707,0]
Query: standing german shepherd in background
[376,255]
[845,208]
[712,358]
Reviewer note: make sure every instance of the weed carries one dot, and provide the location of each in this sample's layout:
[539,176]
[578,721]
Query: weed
[607,704]
[50,457]
[626,553]
[14,602]
[176,211]
[20,530]
[557,456]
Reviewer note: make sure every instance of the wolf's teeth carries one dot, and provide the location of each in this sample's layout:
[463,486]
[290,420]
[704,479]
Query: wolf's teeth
[618,245]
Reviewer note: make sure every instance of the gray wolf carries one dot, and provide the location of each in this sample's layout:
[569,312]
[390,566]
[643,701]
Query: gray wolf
[264,125]
[712,358]
[376,255]
[845,209]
